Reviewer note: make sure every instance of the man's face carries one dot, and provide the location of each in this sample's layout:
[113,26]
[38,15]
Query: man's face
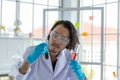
[59,38]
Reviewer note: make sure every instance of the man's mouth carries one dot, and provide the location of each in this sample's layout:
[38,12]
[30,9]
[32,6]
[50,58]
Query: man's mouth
[55,45]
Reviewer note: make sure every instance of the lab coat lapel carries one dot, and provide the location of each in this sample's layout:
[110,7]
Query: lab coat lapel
[48,63]
[61,63]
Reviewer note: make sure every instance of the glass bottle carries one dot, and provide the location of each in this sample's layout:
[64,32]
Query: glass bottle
[16,61]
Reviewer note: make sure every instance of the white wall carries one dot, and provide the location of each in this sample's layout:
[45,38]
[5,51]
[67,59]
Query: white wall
[10,47]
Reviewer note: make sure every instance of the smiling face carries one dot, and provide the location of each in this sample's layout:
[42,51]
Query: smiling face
[59,38]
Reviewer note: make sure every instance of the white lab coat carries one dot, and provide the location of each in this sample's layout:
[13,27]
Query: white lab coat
[42,69]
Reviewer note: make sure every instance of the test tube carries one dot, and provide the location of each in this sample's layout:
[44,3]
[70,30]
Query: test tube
[45,41]
[75,54]
[76,51]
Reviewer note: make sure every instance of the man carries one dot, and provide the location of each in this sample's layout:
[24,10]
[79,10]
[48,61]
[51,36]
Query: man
[52,60]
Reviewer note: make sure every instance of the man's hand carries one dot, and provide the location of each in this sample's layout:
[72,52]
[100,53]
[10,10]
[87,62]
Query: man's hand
[38,50]
[76,68]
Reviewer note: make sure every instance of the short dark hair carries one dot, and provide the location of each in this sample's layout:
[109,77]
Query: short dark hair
[73,35]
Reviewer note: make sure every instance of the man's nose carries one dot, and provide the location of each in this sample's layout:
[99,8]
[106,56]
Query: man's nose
[58,39]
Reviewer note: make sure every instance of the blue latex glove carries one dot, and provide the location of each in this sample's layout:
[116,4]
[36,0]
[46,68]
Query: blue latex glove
[76,68]
[38,50]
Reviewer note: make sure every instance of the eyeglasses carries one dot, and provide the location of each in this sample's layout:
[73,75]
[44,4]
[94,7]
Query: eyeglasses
[55,35]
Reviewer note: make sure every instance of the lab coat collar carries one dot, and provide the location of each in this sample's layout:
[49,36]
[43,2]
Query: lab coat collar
[48,62]
[61,63]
